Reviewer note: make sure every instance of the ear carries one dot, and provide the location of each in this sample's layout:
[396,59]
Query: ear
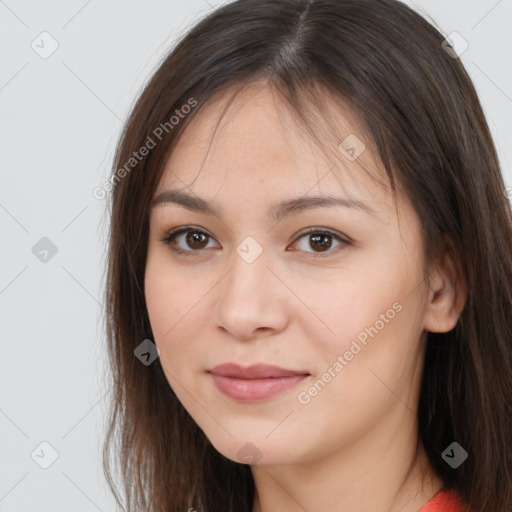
[447,291]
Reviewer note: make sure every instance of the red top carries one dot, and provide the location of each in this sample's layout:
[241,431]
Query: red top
[444,501]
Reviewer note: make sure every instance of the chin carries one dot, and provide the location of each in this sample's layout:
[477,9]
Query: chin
[257,450]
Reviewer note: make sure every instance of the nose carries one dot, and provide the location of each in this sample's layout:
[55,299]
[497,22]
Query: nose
[251,301]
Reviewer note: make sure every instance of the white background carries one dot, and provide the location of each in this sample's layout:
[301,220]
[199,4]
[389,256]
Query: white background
[59,121]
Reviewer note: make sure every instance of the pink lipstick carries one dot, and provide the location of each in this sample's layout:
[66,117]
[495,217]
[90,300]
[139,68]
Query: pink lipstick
[255,382]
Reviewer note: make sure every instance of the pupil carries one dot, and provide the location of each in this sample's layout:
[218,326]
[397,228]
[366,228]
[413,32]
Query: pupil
[321,241]
[196,238]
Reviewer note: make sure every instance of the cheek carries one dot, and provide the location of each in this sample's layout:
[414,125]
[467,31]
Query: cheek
[354,307]
[374,319]
[371,369]
[165,306]
[176,313]
[160,303]
[169,293]
[374,357]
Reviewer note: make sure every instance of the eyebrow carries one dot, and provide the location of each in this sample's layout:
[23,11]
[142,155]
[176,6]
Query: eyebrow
[277,212]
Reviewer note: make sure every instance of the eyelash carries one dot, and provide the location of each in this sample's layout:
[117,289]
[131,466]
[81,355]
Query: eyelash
[172,235]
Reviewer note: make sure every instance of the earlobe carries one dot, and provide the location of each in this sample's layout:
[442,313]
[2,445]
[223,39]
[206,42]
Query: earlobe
[447,293]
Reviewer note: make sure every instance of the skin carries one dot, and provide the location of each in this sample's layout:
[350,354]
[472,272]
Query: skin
[354,445]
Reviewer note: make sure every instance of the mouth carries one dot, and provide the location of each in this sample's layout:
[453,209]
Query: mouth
[255,382]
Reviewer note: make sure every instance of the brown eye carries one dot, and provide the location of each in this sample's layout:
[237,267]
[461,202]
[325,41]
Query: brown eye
[196,240]
[187,240]
[317,241]
[321,242]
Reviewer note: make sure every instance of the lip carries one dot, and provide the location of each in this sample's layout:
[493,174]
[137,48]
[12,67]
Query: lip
[255,382]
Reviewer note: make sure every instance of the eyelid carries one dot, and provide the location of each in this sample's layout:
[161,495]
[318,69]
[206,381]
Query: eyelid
[342,239]
[340,236]
[171,235]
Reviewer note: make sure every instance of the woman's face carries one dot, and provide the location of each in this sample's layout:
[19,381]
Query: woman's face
[342,308]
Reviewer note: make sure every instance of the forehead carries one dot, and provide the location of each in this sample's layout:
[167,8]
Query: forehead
[254,142]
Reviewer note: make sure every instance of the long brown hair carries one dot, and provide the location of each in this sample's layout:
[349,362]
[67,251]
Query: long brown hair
[421,114]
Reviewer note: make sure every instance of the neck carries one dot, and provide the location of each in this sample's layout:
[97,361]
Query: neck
[384,471]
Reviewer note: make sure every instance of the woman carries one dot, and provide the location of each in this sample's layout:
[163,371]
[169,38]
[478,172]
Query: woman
[309,275]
